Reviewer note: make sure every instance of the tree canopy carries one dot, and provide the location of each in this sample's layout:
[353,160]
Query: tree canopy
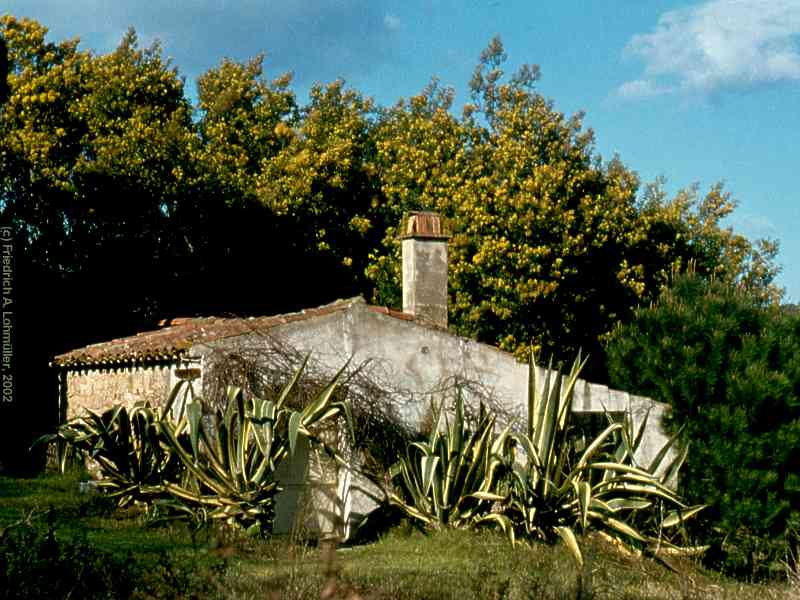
[129,204]
[550,244]
[3,71]
[729,366]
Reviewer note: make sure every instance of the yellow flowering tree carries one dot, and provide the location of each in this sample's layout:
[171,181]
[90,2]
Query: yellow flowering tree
[88,148]
[688,228]
[3,71]
[321,187]
[91,147]
[549,244]
[245,120]
[130,204]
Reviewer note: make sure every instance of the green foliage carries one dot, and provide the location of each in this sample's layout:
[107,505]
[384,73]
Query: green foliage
[36,564]
[214,467]
[167,562]
[125,443]
[448,481]
[729,365]
[561,492]
[57,559]
[461,479]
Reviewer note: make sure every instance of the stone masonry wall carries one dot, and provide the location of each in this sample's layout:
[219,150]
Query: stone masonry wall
[98,389]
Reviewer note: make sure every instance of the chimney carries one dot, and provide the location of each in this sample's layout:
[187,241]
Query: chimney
[425,268]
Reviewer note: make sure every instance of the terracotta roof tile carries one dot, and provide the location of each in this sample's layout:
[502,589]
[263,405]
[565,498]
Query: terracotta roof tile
[397,314]
[179,334]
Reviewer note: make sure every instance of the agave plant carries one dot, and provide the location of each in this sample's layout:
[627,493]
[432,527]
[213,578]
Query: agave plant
[219,466]
[230,457]
[555,490]
[125,445]
[448,480]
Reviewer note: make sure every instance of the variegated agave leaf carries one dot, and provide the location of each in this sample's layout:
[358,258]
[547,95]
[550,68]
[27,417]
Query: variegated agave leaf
[557,492]
[448,480]
[231,457]
[124,443]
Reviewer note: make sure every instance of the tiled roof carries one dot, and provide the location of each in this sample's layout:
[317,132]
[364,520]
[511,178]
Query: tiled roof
[178,335]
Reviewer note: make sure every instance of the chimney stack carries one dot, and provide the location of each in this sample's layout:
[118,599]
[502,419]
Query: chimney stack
[425,268]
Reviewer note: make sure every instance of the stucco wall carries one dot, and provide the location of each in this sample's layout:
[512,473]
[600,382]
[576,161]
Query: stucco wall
[310,503]
[419,365]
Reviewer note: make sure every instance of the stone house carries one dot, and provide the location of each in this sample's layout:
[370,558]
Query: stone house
[411,353]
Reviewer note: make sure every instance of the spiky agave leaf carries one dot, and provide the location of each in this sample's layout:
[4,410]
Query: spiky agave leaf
[233,466]
[448,480]
[124,443]
[547,498]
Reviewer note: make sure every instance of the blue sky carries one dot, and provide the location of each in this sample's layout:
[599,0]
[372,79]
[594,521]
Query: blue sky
[701,91]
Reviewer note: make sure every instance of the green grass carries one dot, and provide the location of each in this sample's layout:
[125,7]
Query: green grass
[459,565]
[90,516]
[168,561]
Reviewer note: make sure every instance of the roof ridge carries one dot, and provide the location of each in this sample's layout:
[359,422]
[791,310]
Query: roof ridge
[173,339]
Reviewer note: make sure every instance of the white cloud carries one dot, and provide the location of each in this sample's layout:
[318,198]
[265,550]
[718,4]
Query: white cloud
[754,226]
[392,22]
[718,45]
[320,40]
[641,88]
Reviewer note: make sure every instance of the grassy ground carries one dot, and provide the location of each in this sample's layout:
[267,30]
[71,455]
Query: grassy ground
[82,539]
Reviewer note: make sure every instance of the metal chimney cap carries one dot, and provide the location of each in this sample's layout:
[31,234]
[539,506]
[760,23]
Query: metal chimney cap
[423,225]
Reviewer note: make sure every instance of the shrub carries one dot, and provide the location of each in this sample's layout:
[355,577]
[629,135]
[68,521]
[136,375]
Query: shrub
[125,445]
[461,479]
[448,480]
[36,564]
[729,366]
[53,559]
